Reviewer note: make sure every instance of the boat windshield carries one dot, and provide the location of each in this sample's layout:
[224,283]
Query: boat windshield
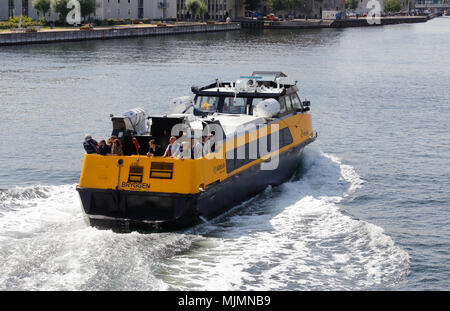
[221,104]
[207,103]
[234,105]
[238,105]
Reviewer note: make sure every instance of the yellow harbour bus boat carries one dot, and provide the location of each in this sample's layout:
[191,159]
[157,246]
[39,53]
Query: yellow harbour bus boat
[250,134]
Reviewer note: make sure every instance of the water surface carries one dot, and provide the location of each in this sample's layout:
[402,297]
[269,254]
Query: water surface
[367,209]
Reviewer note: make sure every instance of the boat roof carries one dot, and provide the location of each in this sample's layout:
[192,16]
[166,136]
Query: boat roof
[269,75]
[230,89]
[267,84]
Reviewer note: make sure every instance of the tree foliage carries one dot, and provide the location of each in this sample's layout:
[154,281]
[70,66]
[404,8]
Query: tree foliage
[196,8]
[202,9]
[252,5]
[392,6]
[87,7]
[42,6]
[192,6]
[278,5]
[285,5]
[60,7]
[351,4]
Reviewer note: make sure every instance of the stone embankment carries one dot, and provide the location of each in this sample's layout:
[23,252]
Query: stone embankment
[102,33]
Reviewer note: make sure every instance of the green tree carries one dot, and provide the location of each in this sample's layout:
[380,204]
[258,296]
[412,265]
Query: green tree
[252,5]
[293,5]
[87,7]
[60,7]
[278,5]
[351,4]
[194,7]
[285,5]
[42,6]
[202,10]
[392,6]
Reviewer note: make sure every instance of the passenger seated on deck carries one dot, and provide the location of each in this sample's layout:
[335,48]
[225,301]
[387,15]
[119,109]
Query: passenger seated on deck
[117,148]
[209,144]
[172,149]
[153,149]
[197,149]
[103,148]
[111,140]
[184,151]
[90,144]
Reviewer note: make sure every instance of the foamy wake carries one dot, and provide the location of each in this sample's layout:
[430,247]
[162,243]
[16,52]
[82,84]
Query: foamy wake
[296,237]
[45,245]
[289,237]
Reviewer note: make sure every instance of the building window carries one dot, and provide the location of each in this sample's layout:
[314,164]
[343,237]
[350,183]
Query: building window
[11,8]
[25,7]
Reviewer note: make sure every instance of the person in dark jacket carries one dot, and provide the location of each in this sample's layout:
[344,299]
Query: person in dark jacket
[154,150]
[103,148]
[90,144]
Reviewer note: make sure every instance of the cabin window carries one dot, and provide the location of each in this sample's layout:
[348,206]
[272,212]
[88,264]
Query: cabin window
[230,157]
[282,101]
[207,103]
[296,104]
[285,137]
[246,156]
[288,103]
[234,105]
[233,163]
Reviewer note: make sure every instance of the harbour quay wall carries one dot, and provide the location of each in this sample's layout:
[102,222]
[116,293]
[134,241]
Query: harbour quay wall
[318,23]
[51,36]
[362,21]
[299,24]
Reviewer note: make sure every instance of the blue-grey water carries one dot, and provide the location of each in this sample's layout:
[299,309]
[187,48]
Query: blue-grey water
[368,209]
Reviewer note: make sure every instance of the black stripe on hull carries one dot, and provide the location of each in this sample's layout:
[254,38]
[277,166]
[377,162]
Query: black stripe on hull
[126,211]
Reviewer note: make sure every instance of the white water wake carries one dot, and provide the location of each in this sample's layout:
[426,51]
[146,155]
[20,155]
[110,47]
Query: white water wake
[295,237]
[290,237]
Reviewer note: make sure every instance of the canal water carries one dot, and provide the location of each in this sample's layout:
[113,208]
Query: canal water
[367,209]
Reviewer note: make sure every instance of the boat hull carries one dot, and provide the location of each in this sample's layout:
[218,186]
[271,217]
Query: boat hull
[126,211]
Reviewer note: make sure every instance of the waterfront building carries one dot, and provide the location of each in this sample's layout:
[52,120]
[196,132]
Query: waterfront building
[105,9]
[10,8]
[136,9]
[217,9]
[308,8]
[317,7]
[313,8]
